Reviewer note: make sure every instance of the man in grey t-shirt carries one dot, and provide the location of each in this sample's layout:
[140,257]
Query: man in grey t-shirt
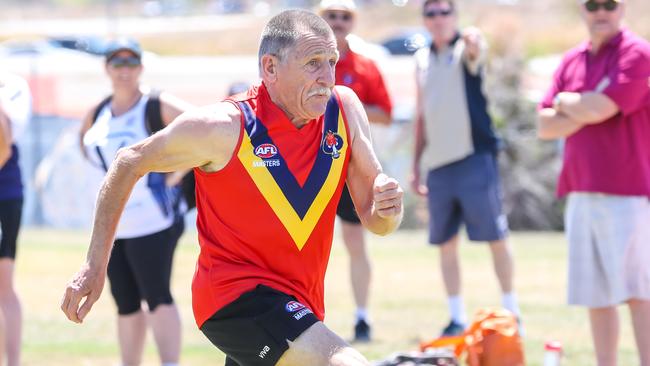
[457,147]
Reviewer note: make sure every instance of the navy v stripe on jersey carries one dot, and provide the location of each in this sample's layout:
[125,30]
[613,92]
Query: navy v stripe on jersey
[299,197]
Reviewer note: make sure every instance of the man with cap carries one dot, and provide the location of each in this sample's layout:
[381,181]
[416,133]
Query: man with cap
[362,75]
[140,264]
[599,102]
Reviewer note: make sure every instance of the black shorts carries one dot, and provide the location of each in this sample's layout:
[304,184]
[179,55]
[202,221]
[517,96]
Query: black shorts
[253,330]
[346,210]
[10,213]
[140,269]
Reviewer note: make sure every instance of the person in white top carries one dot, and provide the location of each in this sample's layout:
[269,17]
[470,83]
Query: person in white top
[15,113]
[140,264]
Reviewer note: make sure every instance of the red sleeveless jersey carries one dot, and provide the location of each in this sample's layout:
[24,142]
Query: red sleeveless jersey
[268,216]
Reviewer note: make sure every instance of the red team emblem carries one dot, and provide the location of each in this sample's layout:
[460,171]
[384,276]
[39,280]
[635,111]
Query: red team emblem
[332,144]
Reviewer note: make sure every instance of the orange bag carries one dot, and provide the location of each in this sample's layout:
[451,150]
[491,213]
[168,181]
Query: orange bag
[491,340]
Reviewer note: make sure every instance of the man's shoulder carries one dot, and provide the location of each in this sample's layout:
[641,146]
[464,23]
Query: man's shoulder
[344,94]
[251,93]
[223,112]
[573,55]
[213,114]
[630,38]
[575,52]
[348,100]
[635,44]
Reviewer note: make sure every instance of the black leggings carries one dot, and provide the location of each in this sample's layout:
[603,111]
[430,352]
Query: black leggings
[10,213]
[140,268]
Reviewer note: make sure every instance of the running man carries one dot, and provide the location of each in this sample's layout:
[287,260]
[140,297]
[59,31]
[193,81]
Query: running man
[270,168]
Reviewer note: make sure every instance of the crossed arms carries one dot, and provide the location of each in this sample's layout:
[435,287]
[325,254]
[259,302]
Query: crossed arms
[572,111]
[623,91]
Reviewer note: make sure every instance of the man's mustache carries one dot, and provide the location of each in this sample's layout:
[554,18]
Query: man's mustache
[320,91]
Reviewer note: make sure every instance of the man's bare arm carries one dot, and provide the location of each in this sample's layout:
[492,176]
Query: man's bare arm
[377,198]
[170,108]
[475,51]
[420,142]
[5,138]
[553,125]
[572,111]
[206,138]
[586,108]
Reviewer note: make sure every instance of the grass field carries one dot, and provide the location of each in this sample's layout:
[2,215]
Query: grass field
[407,303]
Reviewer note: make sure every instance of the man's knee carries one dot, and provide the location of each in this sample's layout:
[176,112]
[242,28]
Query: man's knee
[348,357]
[641,304]
[354,240]
[638,301]
[449,247]
[499,245]
[319,346]
[501,250]
[6,277]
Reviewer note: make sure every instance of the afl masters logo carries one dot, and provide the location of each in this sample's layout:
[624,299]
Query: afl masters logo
[266,151]
[332,144]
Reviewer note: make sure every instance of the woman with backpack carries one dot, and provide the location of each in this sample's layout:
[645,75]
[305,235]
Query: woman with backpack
[140,264]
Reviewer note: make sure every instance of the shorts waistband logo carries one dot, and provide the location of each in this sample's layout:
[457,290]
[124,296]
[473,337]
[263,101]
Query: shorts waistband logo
[293,306]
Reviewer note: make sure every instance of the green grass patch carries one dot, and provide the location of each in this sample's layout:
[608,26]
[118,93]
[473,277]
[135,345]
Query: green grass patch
[407,299]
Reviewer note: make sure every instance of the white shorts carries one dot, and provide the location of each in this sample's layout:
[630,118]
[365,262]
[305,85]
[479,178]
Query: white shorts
[609,249]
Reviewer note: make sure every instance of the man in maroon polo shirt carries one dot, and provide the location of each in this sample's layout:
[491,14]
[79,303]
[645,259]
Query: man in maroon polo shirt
[600,102]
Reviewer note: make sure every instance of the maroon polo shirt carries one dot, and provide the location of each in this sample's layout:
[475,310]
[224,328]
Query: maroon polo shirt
[611,157]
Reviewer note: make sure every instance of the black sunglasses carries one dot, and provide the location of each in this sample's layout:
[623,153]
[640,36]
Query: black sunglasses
[346,17]
[130,61]
[435,13]
[593,6]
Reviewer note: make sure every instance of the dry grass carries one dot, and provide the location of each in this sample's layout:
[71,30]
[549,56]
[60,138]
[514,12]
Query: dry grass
[407,300]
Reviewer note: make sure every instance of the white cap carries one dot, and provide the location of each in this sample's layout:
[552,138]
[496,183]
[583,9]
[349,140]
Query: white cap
[344,5]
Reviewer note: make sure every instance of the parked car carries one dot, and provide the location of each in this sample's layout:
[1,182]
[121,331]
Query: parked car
[157,8]
[226,7]
[93,45]
[21,47]
[407,41]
